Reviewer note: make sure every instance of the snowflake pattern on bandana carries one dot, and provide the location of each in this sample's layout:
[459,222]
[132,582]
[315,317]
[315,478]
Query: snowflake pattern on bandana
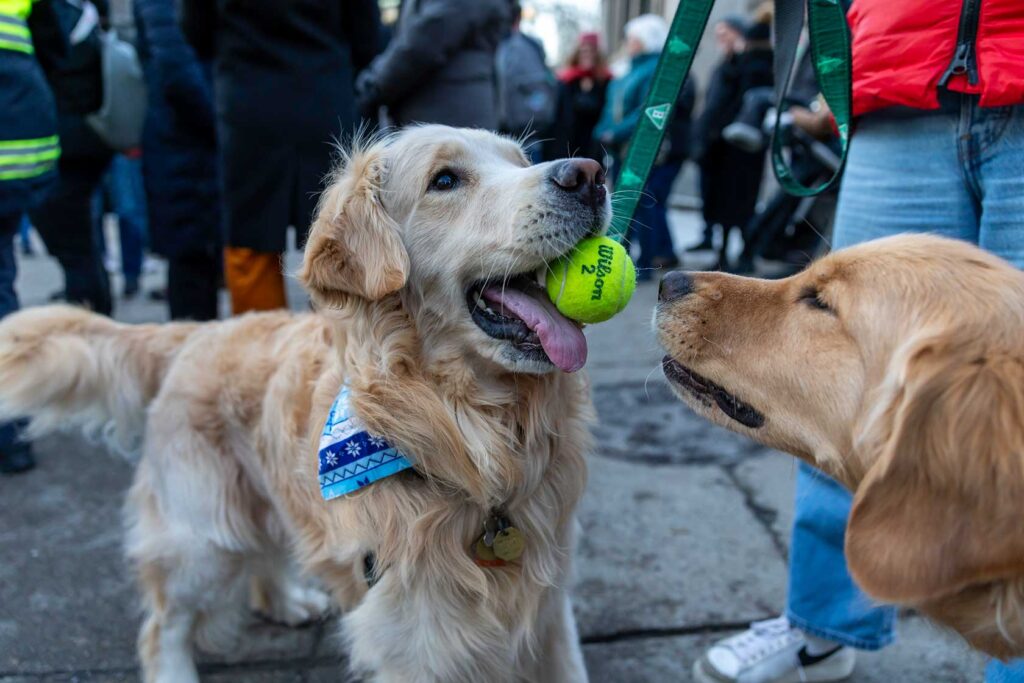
[351,458]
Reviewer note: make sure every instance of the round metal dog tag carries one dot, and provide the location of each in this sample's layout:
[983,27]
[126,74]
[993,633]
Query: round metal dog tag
[509,544]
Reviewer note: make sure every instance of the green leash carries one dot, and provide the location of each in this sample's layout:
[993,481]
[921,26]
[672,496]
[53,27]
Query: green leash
[830,48]
[673,67]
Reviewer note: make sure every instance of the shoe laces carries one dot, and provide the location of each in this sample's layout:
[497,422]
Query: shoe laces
[763,639]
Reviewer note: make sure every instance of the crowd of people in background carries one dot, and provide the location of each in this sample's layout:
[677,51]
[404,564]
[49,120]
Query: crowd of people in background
[243,108]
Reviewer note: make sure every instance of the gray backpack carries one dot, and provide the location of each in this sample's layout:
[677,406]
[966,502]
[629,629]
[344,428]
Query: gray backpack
[527,91]
[119,119]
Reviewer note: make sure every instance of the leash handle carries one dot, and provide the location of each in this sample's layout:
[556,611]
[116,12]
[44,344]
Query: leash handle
[673,66]
[832,60]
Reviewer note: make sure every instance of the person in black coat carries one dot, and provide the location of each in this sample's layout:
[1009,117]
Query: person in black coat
[439,66]
[582,90]
[284,74]
[730,178]
[66,220]
[180,162]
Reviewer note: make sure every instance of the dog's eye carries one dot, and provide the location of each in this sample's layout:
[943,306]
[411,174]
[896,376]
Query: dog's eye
[812,298]
[444,181]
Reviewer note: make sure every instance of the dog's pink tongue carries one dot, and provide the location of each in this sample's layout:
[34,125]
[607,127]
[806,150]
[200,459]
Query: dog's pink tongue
[561,338]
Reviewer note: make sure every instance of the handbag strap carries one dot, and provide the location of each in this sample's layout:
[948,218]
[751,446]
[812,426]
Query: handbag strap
[832,60]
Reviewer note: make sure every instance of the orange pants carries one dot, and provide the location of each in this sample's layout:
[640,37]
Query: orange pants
[254,279]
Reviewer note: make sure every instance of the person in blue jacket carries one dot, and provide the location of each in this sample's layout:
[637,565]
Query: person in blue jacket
[29,149]
[179,162]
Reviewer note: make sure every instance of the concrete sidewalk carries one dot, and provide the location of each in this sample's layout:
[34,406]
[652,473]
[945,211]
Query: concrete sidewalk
[685,533]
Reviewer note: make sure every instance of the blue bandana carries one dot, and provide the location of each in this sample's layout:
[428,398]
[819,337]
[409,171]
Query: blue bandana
[350,457]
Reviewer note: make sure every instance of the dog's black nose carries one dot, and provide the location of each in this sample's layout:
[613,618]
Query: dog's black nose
[582,177]
[674,286]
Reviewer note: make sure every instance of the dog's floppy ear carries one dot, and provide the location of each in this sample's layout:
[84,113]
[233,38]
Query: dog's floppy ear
[354,247]
[940,506]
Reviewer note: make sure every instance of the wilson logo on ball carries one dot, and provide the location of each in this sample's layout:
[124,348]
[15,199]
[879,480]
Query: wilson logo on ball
[602,269]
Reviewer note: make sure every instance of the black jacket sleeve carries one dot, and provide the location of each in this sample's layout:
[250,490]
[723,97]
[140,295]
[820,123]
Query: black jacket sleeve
[181,77]
[425,41]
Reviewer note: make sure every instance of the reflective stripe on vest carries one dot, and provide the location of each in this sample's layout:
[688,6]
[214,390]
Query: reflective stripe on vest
[14,34]
[28,158]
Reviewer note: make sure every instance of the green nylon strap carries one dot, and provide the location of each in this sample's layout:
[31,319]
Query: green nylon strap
[673,66]
[830,54]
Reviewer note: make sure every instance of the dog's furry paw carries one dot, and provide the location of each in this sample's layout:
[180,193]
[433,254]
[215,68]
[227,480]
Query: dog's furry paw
[295,605]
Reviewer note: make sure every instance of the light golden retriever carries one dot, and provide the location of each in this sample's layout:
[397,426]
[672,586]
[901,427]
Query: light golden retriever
[897,367]
[423,262]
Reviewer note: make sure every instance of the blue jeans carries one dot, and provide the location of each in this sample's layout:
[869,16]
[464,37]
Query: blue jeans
[956,173]
[124,187]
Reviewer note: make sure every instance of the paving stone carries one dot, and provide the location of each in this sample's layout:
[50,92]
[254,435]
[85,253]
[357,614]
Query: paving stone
[331,674]
[921,655]
[670,547]
[68,600]
[248,676]
[769,478]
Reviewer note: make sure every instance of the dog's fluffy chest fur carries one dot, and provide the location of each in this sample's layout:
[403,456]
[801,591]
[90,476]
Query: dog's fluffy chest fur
[514,444]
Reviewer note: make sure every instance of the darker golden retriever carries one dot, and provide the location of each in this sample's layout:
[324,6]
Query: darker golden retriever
[896,366]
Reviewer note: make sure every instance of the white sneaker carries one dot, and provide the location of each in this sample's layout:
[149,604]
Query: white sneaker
[771,651]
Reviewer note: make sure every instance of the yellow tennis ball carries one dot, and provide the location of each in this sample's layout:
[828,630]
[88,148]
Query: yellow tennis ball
[593,282]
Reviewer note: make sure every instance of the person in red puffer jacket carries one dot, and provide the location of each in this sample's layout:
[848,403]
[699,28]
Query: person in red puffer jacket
[937,146]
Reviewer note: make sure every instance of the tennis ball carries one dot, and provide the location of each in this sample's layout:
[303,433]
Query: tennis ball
[593,282]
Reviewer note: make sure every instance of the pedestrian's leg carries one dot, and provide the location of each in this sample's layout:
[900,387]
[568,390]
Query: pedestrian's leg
[65,222]
[997,153]
[660,186]
[707,240]
[900,178]
[823,600]
[15,455]
[996,150]
[192,279]
[642,234]
[254,280]
[129,202]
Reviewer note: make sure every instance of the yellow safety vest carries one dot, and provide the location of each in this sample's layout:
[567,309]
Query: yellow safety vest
[14,33]
[25,158]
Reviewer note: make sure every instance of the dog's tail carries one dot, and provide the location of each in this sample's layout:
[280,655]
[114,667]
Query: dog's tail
[63,367]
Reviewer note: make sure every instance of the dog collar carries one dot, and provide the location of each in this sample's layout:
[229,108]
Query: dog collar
[351,457]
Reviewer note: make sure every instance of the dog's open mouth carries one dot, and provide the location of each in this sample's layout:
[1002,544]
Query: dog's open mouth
[705,390]
[519,311]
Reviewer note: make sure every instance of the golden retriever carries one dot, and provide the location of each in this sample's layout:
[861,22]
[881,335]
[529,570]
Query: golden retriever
[423,262]
[896,366]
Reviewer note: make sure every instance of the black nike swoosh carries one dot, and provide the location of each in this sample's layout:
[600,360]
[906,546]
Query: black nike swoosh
[807,659]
